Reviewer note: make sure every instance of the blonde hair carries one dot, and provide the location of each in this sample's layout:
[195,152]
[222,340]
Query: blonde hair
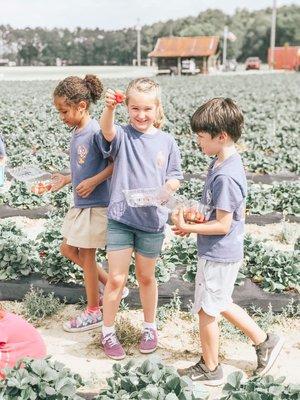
[2,312]
[146,85]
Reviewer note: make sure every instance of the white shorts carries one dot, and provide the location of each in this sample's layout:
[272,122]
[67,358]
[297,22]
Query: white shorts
[214,285]
[86,228]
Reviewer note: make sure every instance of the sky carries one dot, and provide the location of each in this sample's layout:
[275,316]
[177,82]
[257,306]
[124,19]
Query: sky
[113,14]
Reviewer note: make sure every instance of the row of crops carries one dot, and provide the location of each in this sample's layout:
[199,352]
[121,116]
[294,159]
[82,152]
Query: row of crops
[34,135]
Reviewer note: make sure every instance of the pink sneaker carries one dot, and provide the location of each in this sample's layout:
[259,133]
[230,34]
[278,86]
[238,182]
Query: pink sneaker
[84,322]
[149,341]
[112,347]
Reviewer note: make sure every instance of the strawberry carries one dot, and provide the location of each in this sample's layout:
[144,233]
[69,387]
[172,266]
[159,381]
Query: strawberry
[119,97]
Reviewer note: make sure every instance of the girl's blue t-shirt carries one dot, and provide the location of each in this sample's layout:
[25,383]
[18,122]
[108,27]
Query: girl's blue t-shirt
[141,160]
[87,160]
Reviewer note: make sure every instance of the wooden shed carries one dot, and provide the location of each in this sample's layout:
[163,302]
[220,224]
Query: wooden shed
[185,54]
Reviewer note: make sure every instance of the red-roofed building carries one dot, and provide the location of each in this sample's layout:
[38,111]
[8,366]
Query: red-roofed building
[185,54]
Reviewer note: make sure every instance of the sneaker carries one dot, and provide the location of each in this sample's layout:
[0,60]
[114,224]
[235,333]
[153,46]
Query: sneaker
[124,294]
[148,342]
[112,347]
[84,322]
[267,352]
[200,373]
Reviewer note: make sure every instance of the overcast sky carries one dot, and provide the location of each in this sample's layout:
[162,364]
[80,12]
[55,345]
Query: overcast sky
[113,14]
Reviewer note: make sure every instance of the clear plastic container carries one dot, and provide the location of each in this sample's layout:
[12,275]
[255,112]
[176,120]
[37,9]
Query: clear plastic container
[194,211]
[39,186]
[26,173]
[37,181]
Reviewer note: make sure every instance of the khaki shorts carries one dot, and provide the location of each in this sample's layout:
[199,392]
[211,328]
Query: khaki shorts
[85,227]
[214,285]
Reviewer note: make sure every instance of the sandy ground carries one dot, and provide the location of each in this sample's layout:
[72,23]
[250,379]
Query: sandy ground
[178,346]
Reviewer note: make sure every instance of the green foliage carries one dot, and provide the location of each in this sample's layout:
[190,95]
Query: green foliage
[37,306]
[165,312]
[40,379]
[55,267]
[151,380]
[259,388]
[274,270]
[18,255]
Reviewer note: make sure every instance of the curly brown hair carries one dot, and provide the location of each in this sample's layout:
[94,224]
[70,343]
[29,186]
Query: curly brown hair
[75,89]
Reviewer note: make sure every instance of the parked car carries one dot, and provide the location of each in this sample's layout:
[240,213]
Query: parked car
[231,65]
[252,63]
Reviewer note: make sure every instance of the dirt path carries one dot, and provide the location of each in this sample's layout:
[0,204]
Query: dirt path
[177,347]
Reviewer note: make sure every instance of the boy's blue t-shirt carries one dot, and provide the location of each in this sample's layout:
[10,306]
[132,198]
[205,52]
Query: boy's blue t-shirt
[225,189]
[141,160]
[87,160]
[2,147]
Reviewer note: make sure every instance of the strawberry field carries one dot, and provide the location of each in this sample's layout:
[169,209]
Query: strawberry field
[34,135]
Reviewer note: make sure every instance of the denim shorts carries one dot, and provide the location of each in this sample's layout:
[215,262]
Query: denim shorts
[121,236]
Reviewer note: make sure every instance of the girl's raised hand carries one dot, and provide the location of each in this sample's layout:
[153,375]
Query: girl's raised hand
[112,98]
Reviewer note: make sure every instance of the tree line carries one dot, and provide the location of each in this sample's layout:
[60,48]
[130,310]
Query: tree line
[82,46]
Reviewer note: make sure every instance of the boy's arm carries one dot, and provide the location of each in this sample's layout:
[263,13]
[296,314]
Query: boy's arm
[220,226]
[108,116]
[87,186]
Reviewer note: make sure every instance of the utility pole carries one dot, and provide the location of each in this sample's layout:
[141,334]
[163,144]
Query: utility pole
[273,34]
[138,50]
[225,35]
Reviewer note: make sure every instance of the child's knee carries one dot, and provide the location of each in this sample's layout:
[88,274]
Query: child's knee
[66,250]
[146,280]
[116,281]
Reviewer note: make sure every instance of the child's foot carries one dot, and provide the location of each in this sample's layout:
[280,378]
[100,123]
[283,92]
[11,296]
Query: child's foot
[84,322]
[267,352]
[148,342]
[125,293]
[112,347]
[200,373]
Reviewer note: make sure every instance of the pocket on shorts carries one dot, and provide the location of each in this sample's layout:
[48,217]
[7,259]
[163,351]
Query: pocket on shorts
[213,277]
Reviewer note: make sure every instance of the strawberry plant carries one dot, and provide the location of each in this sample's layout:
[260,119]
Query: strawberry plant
[150,380]
[39,379]
[259,388]
[18,255]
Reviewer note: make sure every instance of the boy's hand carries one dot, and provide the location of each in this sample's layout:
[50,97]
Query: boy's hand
[177,218]
[179,232]
[86,187]
[59,181]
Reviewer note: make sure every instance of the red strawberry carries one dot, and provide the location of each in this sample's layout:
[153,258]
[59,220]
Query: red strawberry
[119,97]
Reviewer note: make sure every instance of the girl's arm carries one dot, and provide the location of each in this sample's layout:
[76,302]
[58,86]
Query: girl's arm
[59,181]
[108,116]
[220,226]
[172,185]
[87,186]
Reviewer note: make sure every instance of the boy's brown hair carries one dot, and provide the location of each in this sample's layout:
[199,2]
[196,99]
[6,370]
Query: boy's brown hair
[218,115]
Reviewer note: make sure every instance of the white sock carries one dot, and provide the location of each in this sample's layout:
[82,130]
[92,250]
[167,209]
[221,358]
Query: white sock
[150,325]
[106,330]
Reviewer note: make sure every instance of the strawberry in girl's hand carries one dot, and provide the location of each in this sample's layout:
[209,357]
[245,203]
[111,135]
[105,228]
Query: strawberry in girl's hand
[119,96]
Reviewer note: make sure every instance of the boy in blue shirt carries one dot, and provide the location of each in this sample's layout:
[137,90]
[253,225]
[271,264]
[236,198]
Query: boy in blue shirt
[218,124]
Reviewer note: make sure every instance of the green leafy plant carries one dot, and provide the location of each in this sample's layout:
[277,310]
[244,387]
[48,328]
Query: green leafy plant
[18,255]
[259,388]
[165,312]
[151,380]
[37,306]
[54,267]
[39,379]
